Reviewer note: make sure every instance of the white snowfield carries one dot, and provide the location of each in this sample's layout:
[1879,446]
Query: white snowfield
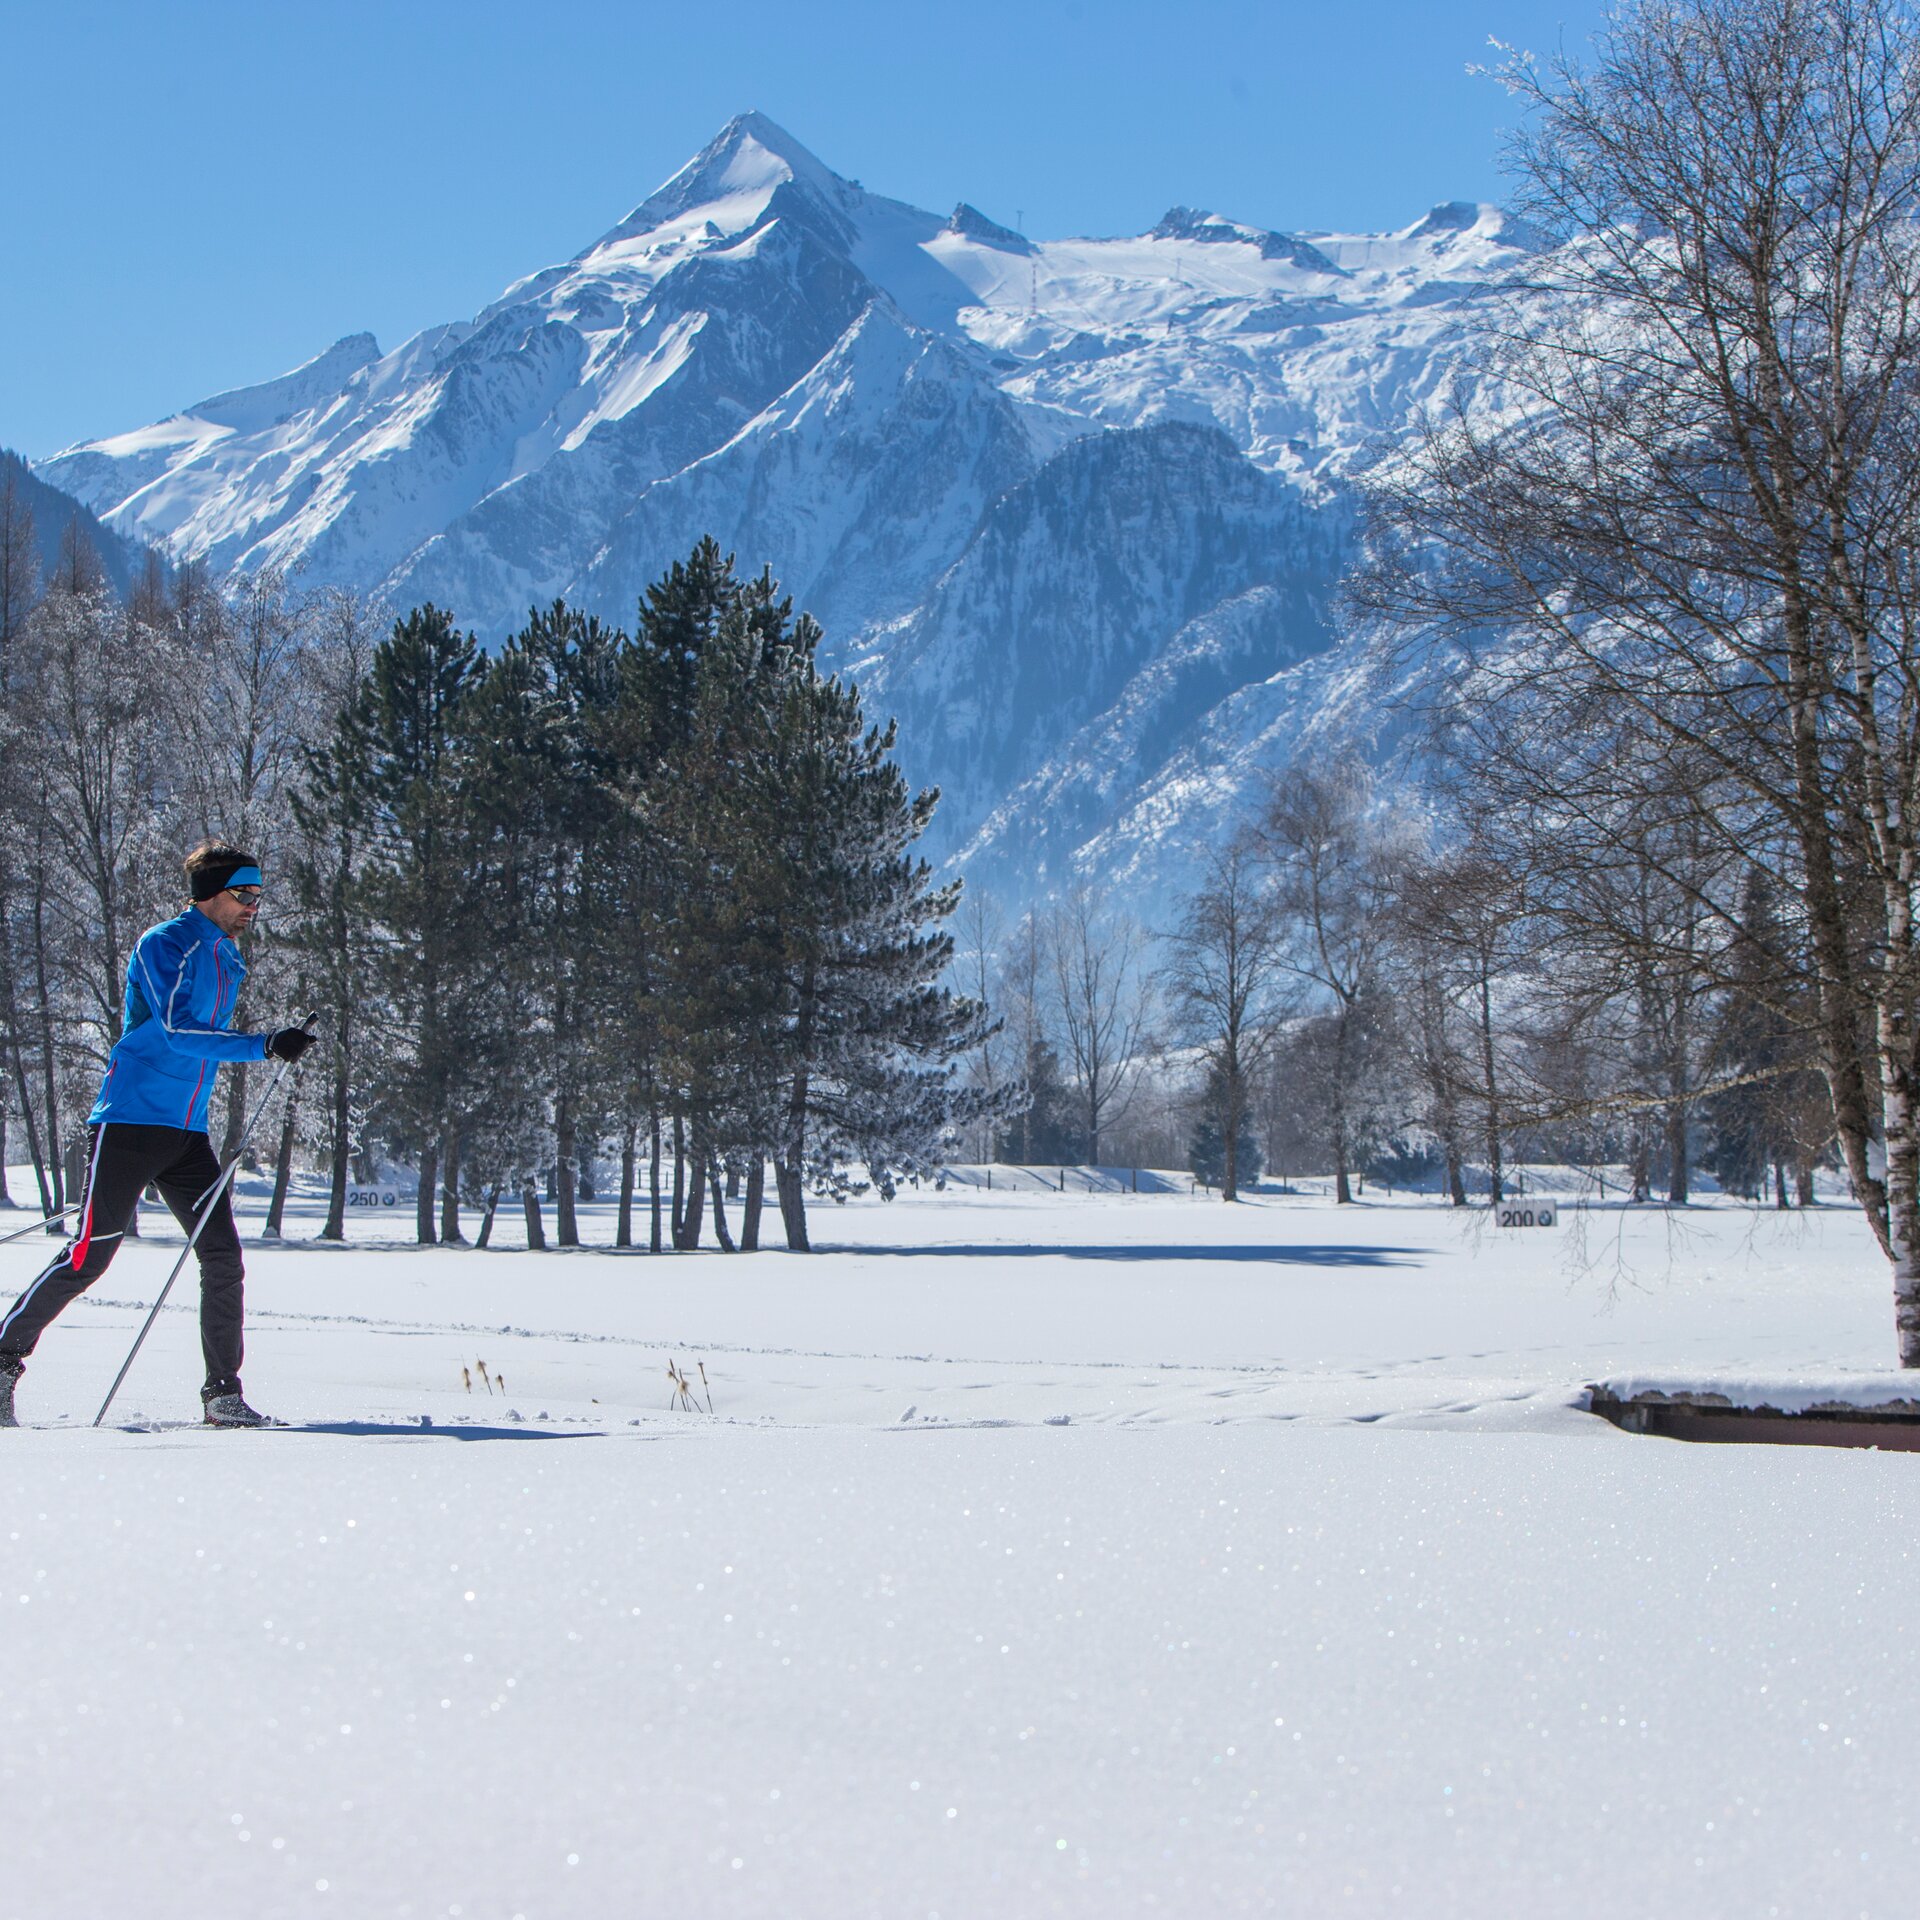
[1042,1554]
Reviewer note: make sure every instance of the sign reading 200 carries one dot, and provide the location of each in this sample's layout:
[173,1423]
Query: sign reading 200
[1526,1213]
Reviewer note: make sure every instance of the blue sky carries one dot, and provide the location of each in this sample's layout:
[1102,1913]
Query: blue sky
[203,194]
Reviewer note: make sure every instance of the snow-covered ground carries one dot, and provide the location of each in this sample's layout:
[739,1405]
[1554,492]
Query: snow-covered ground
[1042,1554]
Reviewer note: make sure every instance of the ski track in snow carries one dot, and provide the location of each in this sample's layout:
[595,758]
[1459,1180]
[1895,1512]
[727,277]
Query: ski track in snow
[1252,1585]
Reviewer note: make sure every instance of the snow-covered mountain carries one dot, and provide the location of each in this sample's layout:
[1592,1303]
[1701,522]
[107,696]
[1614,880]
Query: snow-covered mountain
[1073,509]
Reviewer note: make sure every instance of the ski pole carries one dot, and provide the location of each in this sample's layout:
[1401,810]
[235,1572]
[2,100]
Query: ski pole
[206,1213]
[38,1224]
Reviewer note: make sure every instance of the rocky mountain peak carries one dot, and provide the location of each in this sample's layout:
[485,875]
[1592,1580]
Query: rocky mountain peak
[972,224]
[730,182]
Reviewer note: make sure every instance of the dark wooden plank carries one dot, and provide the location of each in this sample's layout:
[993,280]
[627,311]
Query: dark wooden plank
[1761,1426]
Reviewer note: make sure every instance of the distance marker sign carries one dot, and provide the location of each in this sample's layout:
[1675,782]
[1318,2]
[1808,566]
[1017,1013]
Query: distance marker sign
[1526,1213]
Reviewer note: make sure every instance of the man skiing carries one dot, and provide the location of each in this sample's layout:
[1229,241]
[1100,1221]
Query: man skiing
[149,1124]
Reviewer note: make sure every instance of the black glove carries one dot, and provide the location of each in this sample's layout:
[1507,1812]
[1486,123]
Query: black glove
[289,1043]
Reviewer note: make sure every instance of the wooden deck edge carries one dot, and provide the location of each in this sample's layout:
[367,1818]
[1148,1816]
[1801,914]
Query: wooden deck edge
[1667,1417]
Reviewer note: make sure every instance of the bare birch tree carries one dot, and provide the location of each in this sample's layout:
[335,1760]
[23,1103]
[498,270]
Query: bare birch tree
[1335,870]
[1223,979]
[1101,1005]
[1022,999]
[1695,505]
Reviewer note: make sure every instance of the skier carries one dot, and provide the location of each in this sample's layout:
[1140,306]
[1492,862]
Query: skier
[150,1123]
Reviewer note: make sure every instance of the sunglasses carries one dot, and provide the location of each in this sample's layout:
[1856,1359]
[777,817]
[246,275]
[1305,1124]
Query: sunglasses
[247,896]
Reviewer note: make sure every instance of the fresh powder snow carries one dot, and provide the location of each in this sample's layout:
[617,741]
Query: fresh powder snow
[1075,1554]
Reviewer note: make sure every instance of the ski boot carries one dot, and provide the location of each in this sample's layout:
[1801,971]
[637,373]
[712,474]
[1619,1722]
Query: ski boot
[10,1372]
[231,1410]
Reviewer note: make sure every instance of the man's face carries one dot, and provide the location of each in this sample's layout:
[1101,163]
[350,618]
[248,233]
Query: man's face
[232,911]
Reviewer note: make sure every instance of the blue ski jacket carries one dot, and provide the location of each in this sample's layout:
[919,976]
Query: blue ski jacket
[182,980]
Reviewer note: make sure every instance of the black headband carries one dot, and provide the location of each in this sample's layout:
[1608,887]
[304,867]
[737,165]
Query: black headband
[217,875]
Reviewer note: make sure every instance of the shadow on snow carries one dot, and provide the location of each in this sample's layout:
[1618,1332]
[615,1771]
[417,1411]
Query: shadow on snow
[1285,1256]
[412,1430]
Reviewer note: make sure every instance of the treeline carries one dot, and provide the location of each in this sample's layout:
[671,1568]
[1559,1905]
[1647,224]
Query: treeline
[599,897]
[1358,992]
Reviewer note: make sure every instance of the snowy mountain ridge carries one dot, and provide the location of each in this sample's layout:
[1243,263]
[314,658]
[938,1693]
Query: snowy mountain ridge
[1074,509]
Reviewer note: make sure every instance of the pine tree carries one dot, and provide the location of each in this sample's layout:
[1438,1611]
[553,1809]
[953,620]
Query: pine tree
[1207,1155]
[1043,1129]
[1764,1045]
[717,947]
[697,952]
[433,957]
[539,729]
[870,1036]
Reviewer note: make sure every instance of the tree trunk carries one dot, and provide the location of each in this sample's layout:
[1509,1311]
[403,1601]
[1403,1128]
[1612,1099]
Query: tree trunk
[536,1227]
[1780,1186]
[1678,1184]
[488,1208]
[756,1194]
[1236,1099]
[720,1229]
[1897,1104]
[1439,1075]
[10,1016]
[564,1135]
[733,1179]
[282,1173]
[679,1181]
[423,1201]
[696,1211]
[793,1205]
[1496,1171]
[32,1126]
[1803,1184]
[653,1180]
[789,1167]
[336,1225]
[1342,1184]
[623,1232]
[236,1111]
[450,1233]
[49,1087]
[1830,938]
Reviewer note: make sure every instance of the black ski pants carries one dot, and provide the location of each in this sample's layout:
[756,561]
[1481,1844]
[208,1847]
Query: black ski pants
[122,1163]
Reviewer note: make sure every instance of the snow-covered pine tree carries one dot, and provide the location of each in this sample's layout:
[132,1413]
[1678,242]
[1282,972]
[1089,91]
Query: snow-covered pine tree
[718,683]
[433,955]
[869,1036]
[704,989]
[538,779]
